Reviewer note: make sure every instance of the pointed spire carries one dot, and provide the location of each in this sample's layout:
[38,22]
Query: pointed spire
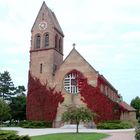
[50,14]
[44,3]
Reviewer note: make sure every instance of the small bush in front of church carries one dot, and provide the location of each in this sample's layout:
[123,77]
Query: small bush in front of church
[118,124]
[137,136]
[35,124]
[11,135]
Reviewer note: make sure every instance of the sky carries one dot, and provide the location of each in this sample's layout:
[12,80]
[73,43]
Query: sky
[106,33]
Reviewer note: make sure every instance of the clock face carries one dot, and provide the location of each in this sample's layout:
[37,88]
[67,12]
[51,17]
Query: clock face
[42,25]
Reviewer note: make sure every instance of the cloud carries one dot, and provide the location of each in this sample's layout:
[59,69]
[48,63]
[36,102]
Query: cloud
[119,58]
[131,36]
[108,31]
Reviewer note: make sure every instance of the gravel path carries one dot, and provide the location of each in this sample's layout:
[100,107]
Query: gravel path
[122,134]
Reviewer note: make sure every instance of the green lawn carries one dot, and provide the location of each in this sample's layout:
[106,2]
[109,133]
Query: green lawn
[2,132]
[71,136]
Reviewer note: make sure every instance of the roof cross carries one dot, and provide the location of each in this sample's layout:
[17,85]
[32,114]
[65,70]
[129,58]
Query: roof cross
[73,45]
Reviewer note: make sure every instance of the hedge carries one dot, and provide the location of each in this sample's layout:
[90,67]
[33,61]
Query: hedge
[11,135]
[137,136]
[118,124]
[35,124]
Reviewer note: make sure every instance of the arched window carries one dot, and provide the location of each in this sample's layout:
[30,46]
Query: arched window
[71,83]
[37,41]
[42,16]
[56,38]
[46,40]
[54,68]
[41,68]
[60,47]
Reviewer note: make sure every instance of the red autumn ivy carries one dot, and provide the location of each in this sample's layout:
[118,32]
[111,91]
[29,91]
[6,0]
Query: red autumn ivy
[98,102]
[42,101]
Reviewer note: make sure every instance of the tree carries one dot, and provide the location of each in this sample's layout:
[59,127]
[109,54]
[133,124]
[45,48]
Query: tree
[4,111]
[77,115]
[20,90]
[7,89]
[136,104]
[18,108]
[137,129]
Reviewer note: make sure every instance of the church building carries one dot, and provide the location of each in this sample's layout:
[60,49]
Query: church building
[55,84]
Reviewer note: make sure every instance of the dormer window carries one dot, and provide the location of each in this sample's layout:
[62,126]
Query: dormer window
[46,40]
[37,41]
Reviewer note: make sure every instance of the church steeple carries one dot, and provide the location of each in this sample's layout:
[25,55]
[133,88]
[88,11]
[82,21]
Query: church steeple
[46,52]
[46,31]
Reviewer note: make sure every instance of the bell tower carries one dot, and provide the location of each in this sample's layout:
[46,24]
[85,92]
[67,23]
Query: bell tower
[46,52]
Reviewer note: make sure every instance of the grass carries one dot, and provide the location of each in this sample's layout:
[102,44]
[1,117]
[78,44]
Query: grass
[71,136]
[7,132]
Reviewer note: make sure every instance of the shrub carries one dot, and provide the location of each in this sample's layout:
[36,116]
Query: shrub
[137,136]
[35,124]
[11,135]
[118,124]
[24,138]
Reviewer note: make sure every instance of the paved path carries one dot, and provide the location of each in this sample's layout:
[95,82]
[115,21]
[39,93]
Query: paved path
[122,134]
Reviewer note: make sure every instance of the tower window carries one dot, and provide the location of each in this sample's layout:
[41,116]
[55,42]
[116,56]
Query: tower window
[42,16]
[46,40]
[54,68]
[56,38]
[41,68]
[60,47]
[38,40]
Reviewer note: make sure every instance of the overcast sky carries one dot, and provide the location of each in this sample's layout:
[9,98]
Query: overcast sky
[106,33]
